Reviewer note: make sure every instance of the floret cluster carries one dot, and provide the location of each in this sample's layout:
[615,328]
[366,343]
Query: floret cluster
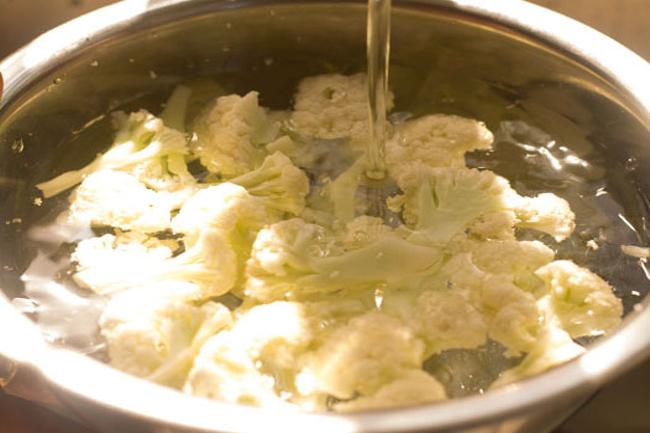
[261,279]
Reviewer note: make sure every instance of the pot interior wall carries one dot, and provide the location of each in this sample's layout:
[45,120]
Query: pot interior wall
[442,62]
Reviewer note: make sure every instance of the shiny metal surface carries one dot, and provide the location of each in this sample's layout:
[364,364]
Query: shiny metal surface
[21,20]
[484,48]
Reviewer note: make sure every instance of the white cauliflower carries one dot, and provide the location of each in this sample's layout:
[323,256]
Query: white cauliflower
[219,224]
[547,213]
[333,106]
[231,133]
[364,230]
[520,259]
[497,225]
[226,207]
[332,308]
[511,257]
[411,388]
[445,319]
[511,313]
[437,140]
[210,262]
[150,327]
[117,199]
[583,302]
[143,147]
[245,363]
[442,203]
[223,371]
[278,183]
[106,264]
[109,264]
[292,258]
[342,192]
[316,155]
[369,352]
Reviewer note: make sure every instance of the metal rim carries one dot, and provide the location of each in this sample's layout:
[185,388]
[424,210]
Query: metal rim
[104,386]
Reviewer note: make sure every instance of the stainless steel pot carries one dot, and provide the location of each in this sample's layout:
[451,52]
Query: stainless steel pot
[490,60]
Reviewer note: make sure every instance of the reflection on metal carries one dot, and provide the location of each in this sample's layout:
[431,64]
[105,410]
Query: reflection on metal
[8,370]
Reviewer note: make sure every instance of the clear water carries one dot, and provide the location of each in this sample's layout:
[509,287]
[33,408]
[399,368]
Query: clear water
[534,162]
[378,58]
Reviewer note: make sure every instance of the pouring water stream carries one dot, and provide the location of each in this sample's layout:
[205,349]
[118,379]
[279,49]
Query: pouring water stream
[376,179]
[378,52]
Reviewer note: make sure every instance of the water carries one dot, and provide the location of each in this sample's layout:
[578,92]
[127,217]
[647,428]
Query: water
[378,58]
[532,159]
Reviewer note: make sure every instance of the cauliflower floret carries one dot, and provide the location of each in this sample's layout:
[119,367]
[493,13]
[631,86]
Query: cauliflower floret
[511,257]
[369,352]
[144,147]
[226,207]
[211,263]
[219,224]
[151,327]
[511,313]
[413,387]
[369,302]
[333,106]
[441,203]
[342,192]
[222,371]
[553,347]
[230,218]
[319,156]
[445,319]
[117,199]
[230,135]
[106,264]
[547,213]
[583,302]
[241,365]
[437,140]
[515,258]
[292,258]
[364,230]
[174,371]
[278,183]
[494,225]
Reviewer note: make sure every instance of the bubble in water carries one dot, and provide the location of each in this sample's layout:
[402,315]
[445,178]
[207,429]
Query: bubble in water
[631,164]
[94,63]
[18,146]
[153,75]
[268,61]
